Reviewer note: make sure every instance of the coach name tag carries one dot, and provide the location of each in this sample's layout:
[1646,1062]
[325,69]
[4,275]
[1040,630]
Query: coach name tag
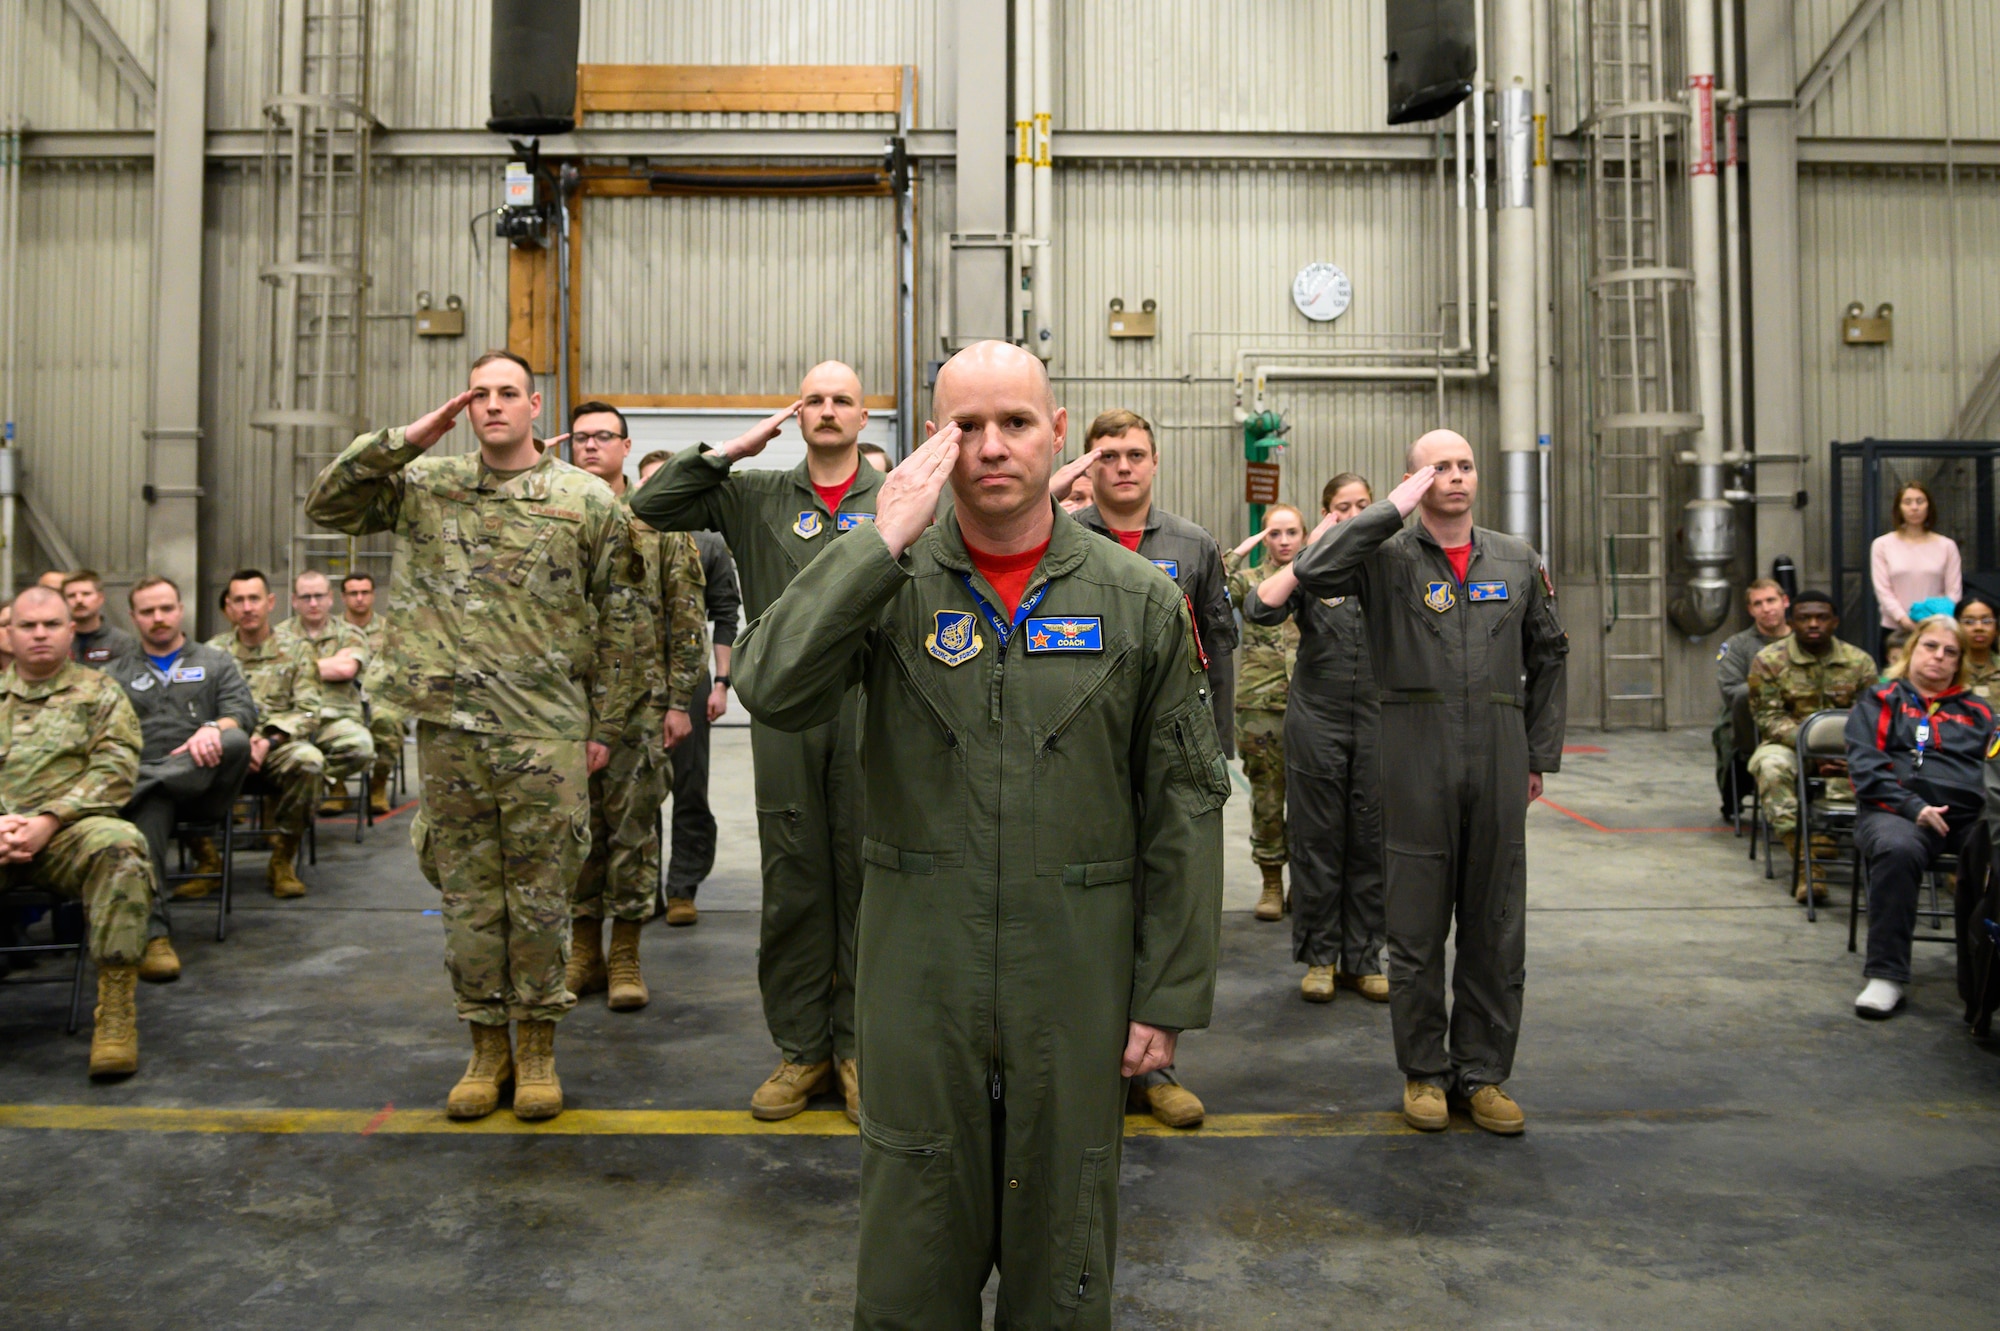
[1170,567]
[849,521]
[188,675]
[1076,633]
[1486,591]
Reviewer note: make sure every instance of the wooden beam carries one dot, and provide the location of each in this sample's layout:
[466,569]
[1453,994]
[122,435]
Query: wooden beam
[721,401]
[703,180]
[875,89]
[531,306]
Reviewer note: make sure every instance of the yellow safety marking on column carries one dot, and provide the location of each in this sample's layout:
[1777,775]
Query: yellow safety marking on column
[722,1122]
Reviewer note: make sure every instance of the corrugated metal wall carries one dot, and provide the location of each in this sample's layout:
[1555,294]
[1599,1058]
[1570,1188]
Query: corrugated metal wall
[1894,83]
[69,82]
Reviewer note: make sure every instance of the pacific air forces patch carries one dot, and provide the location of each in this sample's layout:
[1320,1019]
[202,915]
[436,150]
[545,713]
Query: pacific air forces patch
[1439,597]
[808,525]
[956,639]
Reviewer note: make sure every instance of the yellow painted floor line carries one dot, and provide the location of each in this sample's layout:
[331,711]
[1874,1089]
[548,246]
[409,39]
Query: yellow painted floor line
[390,1121]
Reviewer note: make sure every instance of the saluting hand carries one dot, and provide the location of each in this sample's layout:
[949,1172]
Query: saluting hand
[752,441]
[908,501]
[1406,496]
[1248,545]
[1326,524]
[1066,476]
[427,430]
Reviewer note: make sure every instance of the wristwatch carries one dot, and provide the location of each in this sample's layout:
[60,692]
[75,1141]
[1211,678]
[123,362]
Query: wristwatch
[722,681]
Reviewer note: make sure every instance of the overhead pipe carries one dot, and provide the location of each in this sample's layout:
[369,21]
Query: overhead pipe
[11,81]
[1042,343]
[1024,166]
[1709,519]
[1731,97]
[1517,283]
[1545,270]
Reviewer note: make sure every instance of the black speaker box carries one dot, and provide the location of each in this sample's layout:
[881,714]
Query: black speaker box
[1431,57]
[533,72]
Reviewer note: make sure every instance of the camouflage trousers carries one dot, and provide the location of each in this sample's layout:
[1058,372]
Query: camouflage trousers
[621,876]
[105,864]
[1260,738]
[1776,768]
[347,747]
[502,834]
[385,728]
[290,777]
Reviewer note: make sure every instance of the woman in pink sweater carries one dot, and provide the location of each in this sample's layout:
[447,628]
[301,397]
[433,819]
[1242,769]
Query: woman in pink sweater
[1912,561]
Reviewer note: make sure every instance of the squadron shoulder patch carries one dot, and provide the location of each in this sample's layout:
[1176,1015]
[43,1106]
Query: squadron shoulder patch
[1331,601]
[1170,567]
[1440,597]
[956,639]
[1993,748]
[849,521]
[1486,591]
[808,525]
[1075,633]
[1547,586]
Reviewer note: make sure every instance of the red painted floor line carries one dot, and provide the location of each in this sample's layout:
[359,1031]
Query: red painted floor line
[381,1117]
[1596,826]
[1583,748]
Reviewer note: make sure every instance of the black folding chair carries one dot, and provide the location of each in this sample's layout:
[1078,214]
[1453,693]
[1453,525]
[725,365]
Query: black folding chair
[1934,914]
[1743,743]
[223,832]
[1822,738]
[66,934]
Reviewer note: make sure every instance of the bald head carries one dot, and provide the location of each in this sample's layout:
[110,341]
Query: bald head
[831,415]
[38,595]
[1456,483]
[991,362]
[1428,448]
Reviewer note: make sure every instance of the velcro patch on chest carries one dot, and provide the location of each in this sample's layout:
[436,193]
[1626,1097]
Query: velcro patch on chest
[1170,567]
[555,511]
[188,675]
[1440,597]
[956,639]
[808,525]
[1486,591]
[849,521]
[1077,633]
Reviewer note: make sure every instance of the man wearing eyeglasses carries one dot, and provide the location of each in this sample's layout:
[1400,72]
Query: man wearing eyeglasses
[341,650]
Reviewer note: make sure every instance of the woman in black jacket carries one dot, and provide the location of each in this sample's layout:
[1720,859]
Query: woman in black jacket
[1916,749]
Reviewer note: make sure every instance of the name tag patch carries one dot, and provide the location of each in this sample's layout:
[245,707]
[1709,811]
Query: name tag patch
[1170,567]
[1079,633]
[1439,597]
[1331,601]
[808,525]
[956,639]
[97,654]
[1487,591]
[849,521]
[188,675]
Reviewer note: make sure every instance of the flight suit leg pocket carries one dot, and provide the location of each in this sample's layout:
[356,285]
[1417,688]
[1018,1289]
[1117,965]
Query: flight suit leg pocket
[1417,893]
[906,1185]
[1085,1263]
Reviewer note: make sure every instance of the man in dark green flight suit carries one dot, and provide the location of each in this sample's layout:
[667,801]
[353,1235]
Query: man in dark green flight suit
[1463,632]
[1043,846]
[808,784]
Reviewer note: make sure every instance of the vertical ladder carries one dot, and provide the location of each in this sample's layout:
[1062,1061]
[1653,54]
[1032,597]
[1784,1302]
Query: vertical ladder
[1640,293]
[317,127]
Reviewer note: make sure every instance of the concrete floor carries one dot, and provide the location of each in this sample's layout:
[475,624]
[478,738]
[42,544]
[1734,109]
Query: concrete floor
[1713,1139]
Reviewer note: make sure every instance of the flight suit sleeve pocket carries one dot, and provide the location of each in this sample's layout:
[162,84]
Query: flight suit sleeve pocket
[1201,775]
[906,1186]
[1099,873]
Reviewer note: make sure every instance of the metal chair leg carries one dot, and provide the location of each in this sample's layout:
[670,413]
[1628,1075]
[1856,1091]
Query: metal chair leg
[76,986]
[1855,899]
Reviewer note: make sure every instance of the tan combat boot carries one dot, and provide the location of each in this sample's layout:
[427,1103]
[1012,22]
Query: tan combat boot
[114,1044]
[1495,1110]
[1271,905]
[1424,1107]
[1166,1100]
[378,794]
[786,1091]
[1374,988]
[208,864]
[585,973]
[335,803]
[537,1093]
[280,874]
[1317,987]
[161,964]
[681,912]
[850,1088]
[492,1067]
[627,985]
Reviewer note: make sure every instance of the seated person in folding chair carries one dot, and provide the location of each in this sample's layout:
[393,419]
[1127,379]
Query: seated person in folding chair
[341,652]
[1810,671]
[69,749]
[385,723]
[285,765]
[1917,746]
[196,715]
[1770,622]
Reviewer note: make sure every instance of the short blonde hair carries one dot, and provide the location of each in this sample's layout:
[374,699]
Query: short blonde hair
[1899,667]
[1119,421]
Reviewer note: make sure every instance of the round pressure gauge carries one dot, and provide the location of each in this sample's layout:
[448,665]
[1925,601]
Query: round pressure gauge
[1322,292]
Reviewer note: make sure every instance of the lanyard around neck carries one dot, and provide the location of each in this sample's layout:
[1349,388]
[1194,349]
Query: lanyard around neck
[1002,629]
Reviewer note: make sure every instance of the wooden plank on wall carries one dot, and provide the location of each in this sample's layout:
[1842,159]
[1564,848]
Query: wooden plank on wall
[694,88]
[730,181]
[531,307]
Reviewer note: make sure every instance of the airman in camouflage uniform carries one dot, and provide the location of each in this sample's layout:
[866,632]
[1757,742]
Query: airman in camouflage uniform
[69,752]
[385,723]
[1808,672]
[513,646]
[342,737]
[1264,662]
[621,878]
[284,680]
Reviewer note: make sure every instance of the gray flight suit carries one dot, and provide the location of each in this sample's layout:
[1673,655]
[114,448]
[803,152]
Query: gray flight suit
[103,645]
[1333,809]
[1044,849]
[1185,552]
[1472,702]
[204,684]
[808,783]
[1732,678]
[692,821]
